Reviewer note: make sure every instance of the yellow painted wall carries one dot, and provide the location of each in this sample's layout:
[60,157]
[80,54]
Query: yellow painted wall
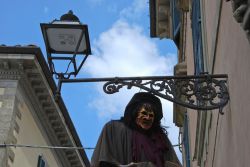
[30,134]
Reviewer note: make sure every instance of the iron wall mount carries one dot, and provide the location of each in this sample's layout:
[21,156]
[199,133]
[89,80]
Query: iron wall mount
[199,92]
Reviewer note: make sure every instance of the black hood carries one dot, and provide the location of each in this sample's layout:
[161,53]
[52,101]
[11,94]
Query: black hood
[139,98]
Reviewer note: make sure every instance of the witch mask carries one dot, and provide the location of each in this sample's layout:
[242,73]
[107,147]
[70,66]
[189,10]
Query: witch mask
[145,117]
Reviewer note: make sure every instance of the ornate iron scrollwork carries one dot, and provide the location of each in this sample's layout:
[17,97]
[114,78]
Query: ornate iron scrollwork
[203,92]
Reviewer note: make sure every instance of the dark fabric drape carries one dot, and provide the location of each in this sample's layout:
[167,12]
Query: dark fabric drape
[115,146]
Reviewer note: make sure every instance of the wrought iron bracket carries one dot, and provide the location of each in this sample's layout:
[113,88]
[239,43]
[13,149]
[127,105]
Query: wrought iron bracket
[199,92]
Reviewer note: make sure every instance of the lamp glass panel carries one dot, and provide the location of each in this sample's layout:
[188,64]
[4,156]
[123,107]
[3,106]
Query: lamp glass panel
[65,40]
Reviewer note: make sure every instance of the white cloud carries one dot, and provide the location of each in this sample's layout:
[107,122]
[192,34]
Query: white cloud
[173,131]
[123,51]
[137,8]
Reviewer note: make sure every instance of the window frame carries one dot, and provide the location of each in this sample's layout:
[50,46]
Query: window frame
[41,162]
[197,37]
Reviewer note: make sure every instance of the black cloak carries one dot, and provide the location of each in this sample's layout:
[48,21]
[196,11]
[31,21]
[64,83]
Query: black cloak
[119,141]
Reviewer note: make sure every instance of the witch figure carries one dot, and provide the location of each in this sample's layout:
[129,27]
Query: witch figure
[137,139]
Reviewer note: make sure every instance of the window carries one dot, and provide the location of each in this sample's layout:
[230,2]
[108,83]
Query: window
[41,162]
[201,130]
[197,37]
[176,24]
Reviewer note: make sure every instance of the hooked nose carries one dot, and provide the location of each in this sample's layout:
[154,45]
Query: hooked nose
[148,117]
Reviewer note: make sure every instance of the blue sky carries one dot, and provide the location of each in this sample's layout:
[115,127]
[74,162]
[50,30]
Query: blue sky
[121,46]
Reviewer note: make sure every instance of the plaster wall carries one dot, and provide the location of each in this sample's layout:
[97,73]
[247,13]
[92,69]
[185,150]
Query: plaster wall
[233,58]
[189,48]
[30,134]
[209,21]
[228,135]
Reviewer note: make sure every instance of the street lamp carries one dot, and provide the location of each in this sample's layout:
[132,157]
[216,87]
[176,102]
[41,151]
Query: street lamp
[68,36]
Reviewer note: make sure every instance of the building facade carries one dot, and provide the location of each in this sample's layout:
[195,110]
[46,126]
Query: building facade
[212,37]
[30,118]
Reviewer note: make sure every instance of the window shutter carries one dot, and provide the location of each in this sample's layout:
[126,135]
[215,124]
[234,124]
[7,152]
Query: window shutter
[176,21]
[41,162]
[197,37]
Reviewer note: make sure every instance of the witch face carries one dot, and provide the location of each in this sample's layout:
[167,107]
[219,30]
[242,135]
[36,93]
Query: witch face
[145,117]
